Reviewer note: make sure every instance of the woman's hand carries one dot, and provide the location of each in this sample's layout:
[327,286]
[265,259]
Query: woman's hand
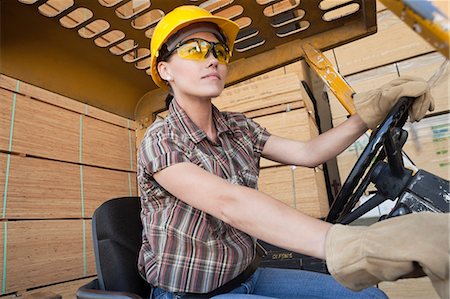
[374,105]
[400,247]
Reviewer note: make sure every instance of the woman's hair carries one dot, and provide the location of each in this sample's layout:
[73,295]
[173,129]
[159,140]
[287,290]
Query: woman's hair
[169,99]
[163,57]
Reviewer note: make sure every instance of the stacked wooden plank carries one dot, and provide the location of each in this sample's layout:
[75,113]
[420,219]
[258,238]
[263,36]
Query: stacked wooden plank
[59,160]
[394,51]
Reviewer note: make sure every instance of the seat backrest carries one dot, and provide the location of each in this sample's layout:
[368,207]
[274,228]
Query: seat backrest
[117,234]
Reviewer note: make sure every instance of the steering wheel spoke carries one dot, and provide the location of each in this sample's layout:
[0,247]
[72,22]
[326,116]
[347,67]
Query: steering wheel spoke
[351,203]
[383,142]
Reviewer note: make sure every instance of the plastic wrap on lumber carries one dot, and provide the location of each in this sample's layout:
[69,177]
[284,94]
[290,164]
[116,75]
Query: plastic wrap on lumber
[394,41]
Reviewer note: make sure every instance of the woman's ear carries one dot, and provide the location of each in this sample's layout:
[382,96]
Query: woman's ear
[164,71]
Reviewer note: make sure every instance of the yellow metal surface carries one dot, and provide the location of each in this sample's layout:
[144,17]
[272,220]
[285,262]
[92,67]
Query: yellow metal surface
[337,84]
[431,25]
[96,51]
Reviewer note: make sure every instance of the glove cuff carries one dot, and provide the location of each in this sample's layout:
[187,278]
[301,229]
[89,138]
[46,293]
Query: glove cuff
[366,105]
[344,249]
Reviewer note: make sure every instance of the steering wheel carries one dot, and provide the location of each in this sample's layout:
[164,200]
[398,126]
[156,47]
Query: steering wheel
[386,140]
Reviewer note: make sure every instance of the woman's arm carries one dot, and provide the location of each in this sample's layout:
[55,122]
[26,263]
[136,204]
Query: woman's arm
[317,150]
[244,208]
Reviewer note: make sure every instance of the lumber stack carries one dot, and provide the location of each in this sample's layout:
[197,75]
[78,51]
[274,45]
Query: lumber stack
[394,51]
[59,160]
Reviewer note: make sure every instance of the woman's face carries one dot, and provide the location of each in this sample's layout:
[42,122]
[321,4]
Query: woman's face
[201,79]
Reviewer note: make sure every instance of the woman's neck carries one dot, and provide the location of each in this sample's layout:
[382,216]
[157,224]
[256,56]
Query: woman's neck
[201,113]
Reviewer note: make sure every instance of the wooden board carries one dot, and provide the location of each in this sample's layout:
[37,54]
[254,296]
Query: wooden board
[380,6]
[109,117]
[45,130]
[3,169]
[299,187]
[40,189]
[270,74]
[88,250]
[260,94]
[66,290]
[295,124]
[41,94]
[413,288]
[298,69]
[48,131]
[49,97]
[275,109]
[46,189]
[44,252]
[101,185]
[108,145]
[250,96]
[6,104]
[394,41]
[443,5]
[3,228]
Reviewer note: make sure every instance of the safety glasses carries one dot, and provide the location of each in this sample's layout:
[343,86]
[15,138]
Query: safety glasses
[199,49]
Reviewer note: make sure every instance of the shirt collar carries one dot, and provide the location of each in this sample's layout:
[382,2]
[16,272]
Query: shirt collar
[179,118]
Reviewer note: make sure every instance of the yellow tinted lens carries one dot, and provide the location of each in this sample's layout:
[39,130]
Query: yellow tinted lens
[222,53]
[195,50]
[199,49]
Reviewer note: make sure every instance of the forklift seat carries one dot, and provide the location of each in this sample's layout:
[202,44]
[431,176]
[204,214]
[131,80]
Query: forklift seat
[117,234]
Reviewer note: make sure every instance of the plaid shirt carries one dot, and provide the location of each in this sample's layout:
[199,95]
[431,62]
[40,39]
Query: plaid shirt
[185,249]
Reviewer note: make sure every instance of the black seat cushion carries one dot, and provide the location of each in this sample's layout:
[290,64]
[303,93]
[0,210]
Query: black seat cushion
[117,233]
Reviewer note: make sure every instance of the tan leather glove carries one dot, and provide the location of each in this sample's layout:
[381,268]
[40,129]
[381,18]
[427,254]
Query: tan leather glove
[373,106]
[401,247]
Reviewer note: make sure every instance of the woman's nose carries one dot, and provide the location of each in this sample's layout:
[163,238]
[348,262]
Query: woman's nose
[212,59]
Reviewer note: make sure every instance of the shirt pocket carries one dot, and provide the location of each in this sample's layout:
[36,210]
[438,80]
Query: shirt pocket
[248,176]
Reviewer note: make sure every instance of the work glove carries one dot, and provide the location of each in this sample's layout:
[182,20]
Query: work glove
[401,247]
[374,105]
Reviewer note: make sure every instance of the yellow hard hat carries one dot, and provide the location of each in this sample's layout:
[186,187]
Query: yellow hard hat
[179,18]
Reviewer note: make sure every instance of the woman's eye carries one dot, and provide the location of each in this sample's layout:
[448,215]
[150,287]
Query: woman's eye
[194,49]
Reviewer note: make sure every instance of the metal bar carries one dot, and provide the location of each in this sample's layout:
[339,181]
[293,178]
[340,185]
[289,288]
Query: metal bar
[337,84]
[425,19]
[373,202]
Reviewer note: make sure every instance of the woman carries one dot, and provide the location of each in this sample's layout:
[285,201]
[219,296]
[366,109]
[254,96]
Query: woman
[198,173]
